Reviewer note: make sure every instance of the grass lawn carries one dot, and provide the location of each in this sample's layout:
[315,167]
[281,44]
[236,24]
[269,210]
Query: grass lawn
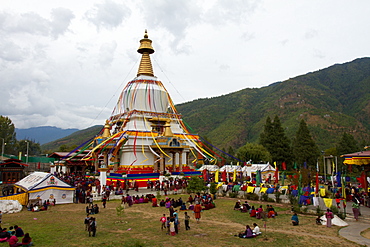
[63,225]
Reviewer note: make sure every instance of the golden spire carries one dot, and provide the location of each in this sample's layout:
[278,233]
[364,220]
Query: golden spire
[167,129]
[106,132]
[145,49]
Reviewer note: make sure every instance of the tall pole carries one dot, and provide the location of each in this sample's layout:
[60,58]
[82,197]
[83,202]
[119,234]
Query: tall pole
[323,157]
[2,150]
[27,152]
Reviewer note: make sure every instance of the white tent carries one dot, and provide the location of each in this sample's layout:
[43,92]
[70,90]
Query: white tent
[231,168]
[210,168]
[45,186]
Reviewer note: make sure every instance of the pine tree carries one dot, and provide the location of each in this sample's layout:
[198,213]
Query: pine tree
[273,138]
[304,147]
[347,144]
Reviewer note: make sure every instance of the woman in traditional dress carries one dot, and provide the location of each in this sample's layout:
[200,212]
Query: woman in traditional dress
[328,215]
[172,227]
[197,210]
[356,210]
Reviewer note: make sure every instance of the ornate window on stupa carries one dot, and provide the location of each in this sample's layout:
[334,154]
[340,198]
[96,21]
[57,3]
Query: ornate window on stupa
[157,125]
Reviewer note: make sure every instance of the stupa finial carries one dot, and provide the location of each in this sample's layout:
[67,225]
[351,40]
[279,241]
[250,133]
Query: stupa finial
[145,49]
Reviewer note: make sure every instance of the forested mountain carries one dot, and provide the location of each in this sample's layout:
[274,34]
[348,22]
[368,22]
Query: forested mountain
[74,140]
[332,101]
[43,134]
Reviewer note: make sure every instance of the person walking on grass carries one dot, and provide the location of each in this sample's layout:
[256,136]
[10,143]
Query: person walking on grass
[163,219]
[197,211]
[187,220]
[104,200]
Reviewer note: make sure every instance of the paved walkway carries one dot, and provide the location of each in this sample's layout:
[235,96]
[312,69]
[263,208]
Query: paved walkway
[353,232]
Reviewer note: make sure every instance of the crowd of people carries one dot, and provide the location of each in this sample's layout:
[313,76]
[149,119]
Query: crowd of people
[36,207]
[258,213]
[13,235]
[196,204]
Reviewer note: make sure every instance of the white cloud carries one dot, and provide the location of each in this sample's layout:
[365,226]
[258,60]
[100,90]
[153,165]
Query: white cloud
[61,19]
[106,53]
[108,14]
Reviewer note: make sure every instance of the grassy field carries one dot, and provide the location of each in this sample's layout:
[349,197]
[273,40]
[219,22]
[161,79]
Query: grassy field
[63,225]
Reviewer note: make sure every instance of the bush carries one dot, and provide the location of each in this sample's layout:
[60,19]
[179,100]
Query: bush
[334,209]
[319,212]
[277,196]
[252,196]
[233,194]
[265,197]
[293,199]
[270,199]
[212,188]
[296,208]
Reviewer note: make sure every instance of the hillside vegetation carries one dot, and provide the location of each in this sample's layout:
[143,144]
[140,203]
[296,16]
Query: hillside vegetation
[332,101]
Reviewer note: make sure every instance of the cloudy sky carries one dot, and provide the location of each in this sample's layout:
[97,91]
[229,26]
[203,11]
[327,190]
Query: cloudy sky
[64,63]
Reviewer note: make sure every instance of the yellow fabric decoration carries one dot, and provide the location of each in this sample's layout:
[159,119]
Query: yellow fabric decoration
[263,190]
[322,192]
[250,189]
[219,185]
[216,176]
[328,202]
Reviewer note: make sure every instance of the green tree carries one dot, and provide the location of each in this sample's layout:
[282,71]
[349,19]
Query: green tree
[254,152]
[304,147]
[196,184]
[7,134]
[232,153]
[33,147]
[276,142]
[347,144]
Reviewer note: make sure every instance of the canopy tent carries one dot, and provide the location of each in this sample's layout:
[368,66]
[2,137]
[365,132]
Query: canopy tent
[45,186]
[358,158]
[211,168]
[231,168]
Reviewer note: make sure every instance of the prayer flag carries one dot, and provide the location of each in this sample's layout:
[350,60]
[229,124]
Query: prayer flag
[317,183]
[339,180]
[224,176]
[328,202]
[283,165]
[317,166]
[295,166]
[275,164]
[216,176]
[205,175]
[333,166]
[234,175]
[276,174]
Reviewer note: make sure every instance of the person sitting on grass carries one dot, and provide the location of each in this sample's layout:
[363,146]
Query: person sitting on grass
[256,229]
[295,220]
[318,220]
[253,212]
[237,205]
[27,240]
[13,240]
[247,234]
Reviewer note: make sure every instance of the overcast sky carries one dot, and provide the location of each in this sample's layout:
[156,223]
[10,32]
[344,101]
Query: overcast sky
[64,63]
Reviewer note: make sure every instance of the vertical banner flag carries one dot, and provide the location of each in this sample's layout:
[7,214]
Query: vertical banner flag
[283,165]
[216,175]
